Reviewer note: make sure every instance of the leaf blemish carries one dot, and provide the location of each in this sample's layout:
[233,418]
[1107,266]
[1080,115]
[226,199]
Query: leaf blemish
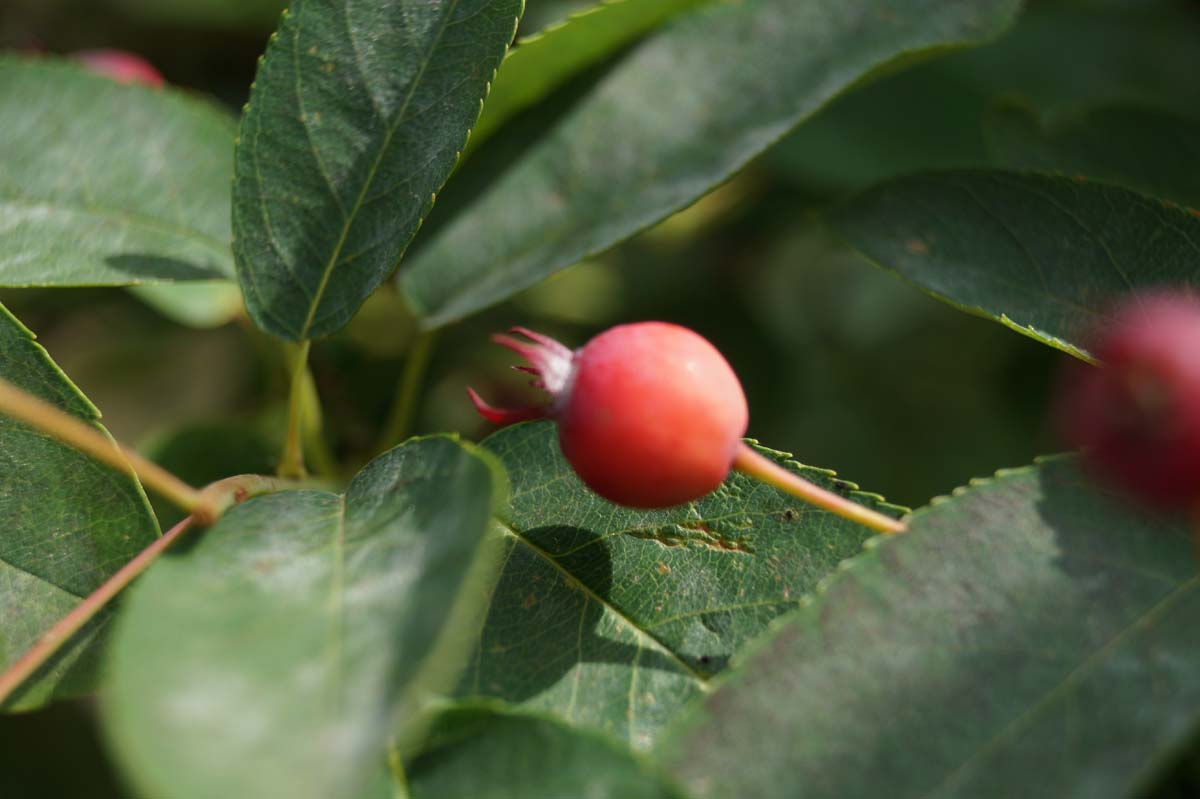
[695,535]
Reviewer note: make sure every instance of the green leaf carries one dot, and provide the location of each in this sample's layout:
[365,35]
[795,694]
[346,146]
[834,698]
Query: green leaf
[1156,152]
[69,524]
[613,618]
[1030,627]
[108,184]
[482,752]
[1043,255]
[1059,55]
[688,108]
[204,303]
[271,659]
[356,118]
[544,61]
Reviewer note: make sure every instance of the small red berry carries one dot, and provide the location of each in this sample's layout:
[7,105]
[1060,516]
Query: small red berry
[121,66]
[1137,415]
[649,415]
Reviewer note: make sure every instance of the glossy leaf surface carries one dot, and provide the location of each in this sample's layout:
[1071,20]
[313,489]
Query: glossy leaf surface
[1029,625]
[357,115]
[272,658]
[109,184]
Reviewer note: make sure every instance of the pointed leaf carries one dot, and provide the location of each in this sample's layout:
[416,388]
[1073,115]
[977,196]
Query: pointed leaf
[271,659]
[1155,152]
[108,184]
[1030,627]
[69,523]
[614,618]
[688,108]
[356,118]
[1043,255]
[477,752]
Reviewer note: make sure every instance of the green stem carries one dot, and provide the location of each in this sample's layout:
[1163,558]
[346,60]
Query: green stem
[750,462]
[396,767]
[312,436]
[213,501]
[291,463]
[82,436]
[400,420]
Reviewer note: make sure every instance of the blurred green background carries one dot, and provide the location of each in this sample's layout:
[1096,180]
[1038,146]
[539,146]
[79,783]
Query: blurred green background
[843,364]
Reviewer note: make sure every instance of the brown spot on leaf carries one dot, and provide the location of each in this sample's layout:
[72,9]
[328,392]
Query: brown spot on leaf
[916,247]
[663,568]
[528,602]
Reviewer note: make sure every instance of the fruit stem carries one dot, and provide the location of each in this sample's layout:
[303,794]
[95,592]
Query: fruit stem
[38,413]
[215,499]
[291,462]
[747,461]
[404,411]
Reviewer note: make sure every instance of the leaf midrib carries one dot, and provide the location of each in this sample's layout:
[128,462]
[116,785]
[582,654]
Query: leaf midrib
[327,273]
[700,680]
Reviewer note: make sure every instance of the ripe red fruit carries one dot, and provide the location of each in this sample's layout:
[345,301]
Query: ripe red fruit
[651,415]
[121,66]
[1137,415]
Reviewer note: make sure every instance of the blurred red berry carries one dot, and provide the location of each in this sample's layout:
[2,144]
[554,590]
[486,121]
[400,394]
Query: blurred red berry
[1137,415]
[121,66]
[649,415]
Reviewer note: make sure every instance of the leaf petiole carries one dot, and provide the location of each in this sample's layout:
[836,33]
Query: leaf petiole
[404,411]
[291,463]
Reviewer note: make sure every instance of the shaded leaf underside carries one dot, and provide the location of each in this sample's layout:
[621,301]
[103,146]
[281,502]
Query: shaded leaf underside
[1042,254]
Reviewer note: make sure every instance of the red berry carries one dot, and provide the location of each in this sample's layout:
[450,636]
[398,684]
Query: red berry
[649,415]
[1137,416]
[121,66]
